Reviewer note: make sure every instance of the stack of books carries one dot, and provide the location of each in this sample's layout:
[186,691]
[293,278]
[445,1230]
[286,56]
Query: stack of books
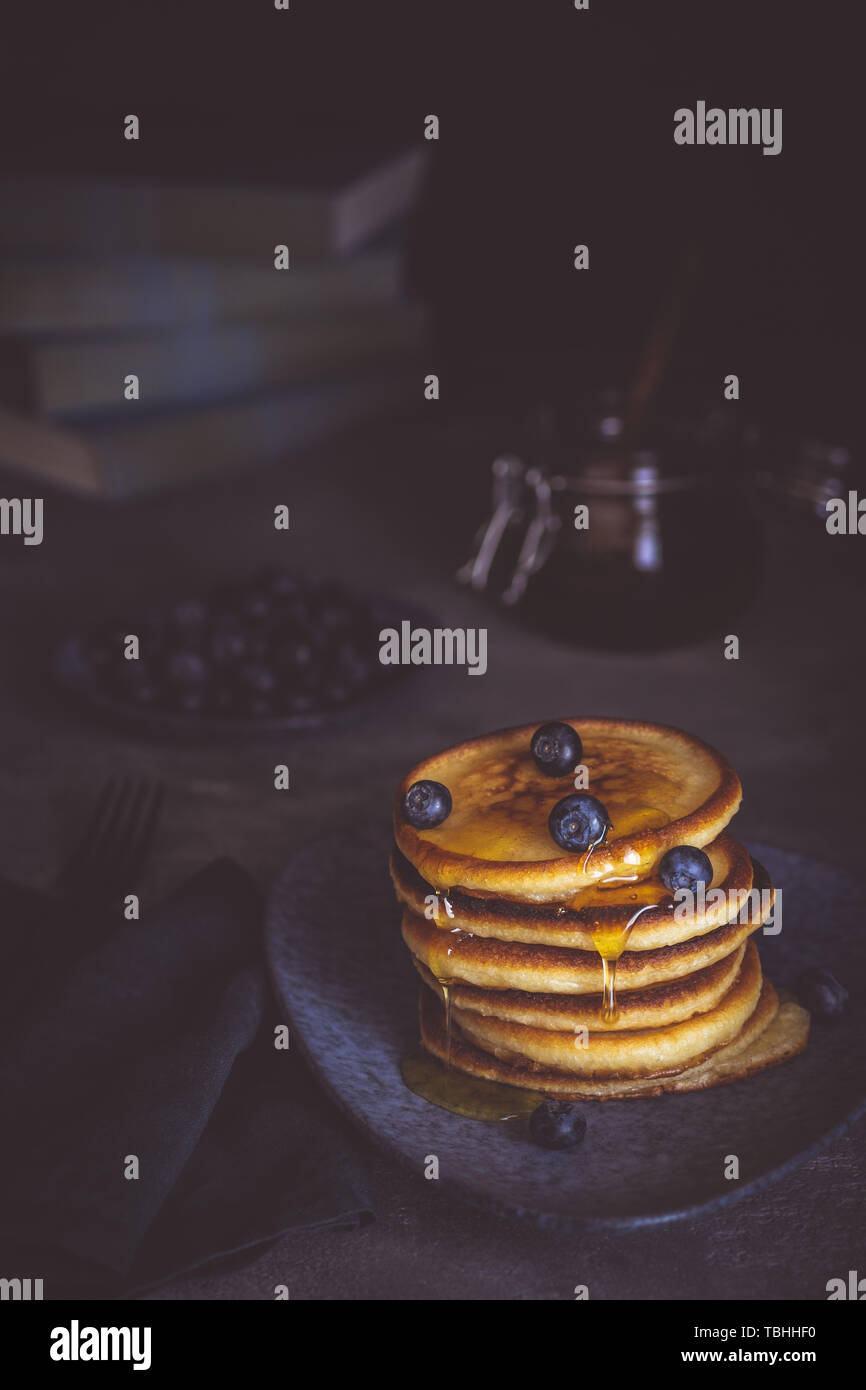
[152,333]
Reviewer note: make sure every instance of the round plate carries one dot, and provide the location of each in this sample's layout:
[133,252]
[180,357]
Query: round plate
[344,977]
[70,668]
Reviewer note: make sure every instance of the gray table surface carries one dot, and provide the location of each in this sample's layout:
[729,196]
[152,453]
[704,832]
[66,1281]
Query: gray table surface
[787,714]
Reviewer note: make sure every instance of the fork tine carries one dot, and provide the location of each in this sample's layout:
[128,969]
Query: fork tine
[144,816]
[101,849]
[100,817]
[115,842]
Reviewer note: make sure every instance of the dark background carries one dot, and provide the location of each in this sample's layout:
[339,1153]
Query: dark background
[556,128]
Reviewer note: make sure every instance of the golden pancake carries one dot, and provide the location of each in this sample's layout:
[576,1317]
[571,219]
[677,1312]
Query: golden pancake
[655,1007]
[771,1035]
[608,909]
[660,787]
[502,965]
[618,1055]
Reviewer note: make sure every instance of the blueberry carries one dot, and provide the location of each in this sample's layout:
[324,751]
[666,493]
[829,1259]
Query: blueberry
[135,681]
[190,613]
[255,605]
[821,993]
[189,701]
[146,694]
[557,1124]
[284,586]
[556,748]
[299,703]
[427,804]
[257,678]
[685,867]
[275,579]
[227,644]
[578,821]
[353,667]
[256,706]
[250,602]
[335,693]
[296,657]
[186,669]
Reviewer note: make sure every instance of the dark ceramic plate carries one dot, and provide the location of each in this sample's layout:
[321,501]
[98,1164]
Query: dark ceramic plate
[70,668]
[343,975]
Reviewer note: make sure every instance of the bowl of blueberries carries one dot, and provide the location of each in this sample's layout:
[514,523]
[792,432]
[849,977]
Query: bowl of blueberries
[263,654]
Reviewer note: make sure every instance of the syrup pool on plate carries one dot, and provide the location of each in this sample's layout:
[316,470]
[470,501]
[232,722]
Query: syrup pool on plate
[470,1096]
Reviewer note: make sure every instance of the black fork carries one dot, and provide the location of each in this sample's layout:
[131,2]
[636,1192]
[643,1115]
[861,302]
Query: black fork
[47,936]
[106,862]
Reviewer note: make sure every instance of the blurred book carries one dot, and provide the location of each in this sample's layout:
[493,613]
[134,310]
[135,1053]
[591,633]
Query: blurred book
[174,284]
[67,294]
[70,376]
[175,447]
[326,207]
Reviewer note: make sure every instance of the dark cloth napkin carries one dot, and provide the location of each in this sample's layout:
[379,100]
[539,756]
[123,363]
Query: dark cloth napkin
[157,1043]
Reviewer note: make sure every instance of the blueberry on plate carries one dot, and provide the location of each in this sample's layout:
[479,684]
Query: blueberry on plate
[189,701]
[335,693]
[255,706]
[255,606]
[190,613]
[685,867]
[578,821]
[295,656]
[353,667]
[228,644]
[556,748]
[284,586]
[427,804]
[186,669]
[257,678]
[557,1124]
[276,579]
[146,694]
[299,703]
[821,993]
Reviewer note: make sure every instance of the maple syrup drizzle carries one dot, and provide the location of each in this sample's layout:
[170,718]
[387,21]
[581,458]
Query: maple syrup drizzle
[609,1010]
[447,998]
[610,948]
[593,846]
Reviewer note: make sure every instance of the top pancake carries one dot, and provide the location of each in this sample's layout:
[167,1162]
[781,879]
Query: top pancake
[660,787]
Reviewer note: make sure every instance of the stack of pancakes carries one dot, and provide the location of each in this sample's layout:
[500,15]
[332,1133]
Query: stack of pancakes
[508,931]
